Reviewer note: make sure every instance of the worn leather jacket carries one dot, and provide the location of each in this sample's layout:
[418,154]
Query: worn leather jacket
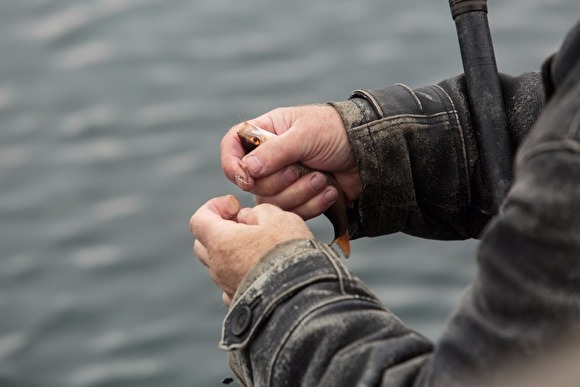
[301,318]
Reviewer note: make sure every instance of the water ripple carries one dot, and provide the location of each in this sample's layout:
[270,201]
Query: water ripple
[80,121]
[101,149]
[164,113]
[18,266]
[72,19]
[229,46]
[137,337]
[84,55]
[59,23]
[180,164]
[12,343]
[14,156]
[7,97]
[118,207]
[96,257]
[95,374]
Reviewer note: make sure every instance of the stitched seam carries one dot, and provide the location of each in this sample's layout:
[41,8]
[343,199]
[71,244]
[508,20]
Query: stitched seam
[410,91]
[339,272]
[395,119]
[388,122]
[463,147]
[372,99]
[306,315]
[375,148]
[266,274]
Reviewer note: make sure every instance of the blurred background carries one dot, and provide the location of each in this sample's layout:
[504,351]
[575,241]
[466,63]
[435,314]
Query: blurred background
[111,113]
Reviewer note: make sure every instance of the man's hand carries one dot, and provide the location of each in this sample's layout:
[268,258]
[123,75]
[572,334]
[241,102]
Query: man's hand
[230,239]
[312,135]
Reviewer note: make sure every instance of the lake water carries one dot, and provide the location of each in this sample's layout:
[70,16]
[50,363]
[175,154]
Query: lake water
[111,113]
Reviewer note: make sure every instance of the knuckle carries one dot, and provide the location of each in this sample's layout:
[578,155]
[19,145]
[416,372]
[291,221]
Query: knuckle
[192,224]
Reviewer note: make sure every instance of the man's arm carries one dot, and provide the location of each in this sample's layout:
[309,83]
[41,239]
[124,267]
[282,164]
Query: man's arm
[301,318]
[525,302]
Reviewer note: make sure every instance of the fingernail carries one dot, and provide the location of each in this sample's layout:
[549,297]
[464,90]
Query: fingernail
[254,164]
[317,182]
[241,217]
[290,174]
[232,200]
[244,182]
[330,195]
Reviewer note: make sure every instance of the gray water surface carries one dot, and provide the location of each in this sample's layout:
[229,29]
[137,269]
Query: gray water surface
[111,113]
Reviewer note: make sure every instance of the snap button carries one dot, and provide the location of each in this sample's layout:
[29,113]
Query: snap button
[241,320]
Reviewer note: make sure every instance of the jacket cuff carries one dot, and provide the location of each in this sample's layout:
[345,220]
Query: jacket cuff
[355,112]
[286,269]
[418,156]
[413,163]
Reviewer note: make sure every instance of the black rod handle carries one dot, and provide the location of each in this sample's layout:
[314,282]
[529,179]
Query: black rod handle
[485,98]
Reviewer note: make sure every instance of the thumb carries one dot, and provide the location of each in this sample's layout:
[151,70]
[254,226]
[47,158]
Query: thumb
[273,155]
[227,207]
[211,216]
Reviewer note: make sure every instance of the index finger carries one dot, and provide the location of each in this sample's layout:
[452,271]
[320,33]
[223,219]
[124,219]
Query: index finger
[211,216]
[231,153]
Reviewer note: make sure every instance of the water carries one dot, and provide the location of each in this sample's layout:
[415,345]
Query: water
[111,113]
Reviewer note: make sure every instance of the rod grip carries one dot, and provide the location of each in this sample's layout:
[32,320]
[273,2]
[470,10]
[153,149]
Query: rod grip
[459,7]
[485,99]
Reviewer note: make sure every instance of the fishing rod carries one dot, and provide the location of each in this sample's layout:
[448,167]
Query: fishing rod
[485,98]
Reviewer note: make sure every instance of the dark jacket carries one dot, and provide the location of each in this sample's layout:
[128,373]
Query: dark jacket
[301,318]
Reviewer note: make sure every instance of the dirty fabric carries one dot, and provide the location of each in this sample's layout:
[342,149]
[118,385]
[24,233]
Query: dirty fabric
[419,158]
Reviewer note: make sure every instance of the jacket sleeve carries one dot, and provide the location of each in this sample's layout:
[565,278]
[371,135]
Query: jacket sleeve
[419,159]
[300,318]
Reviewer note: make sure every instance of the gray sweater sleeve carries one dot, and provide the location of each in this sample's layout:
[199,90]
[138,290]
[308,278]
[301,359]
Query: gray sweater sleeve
[419,159]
